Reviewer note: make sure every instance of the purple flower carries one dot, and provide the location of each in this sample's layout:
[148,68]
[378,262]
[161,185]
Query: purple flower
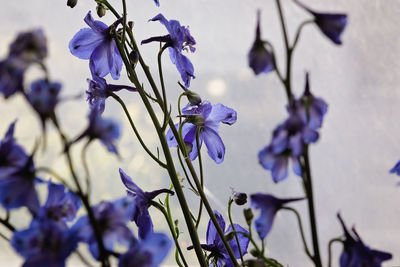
[287,143]
[61,205]
[396,168]
[260,59]
[332,25]
[106,130]
[310,108]
[157,2]
[45,244]
[217,248]
[178,39]
[98,92]
[11,76]
[17,175]
[142,202]
[356,254]
[269,206]
[111,219]
[12,155]
[30,46]
[97,45]
[210,117]
[44,97]
[149,252]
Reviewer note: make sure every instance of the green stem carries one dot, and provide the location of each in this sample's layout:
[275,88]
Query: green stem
[86,167]
[170,164]
[296,39]
[330,249]
[303,238]
[233,228]
[121,102]
[201,174]
[7,224]
[171,228]
[164,94]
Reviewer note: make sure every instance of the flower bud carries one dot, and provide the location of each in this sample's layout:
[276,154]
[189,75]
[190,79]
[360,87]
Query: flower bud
[72,3]
[254,253]
[196,119]
[193,97]
[133,58]
[239,198]
[101,11]
[248,215]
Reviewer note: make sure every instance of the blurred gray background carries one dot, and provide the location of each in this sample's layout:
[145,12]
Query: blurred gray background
[350,163]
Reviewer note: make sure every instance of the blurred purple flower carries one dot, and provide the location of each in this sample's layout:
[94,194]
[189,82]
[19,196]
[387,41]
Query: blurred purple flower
[61,205]
[217,248]
[209,116]
[331,24]
[98,92]
[11,76]
[111,219]
[44,97]
[178,39]
[269,206]
[260,59]
[97,45]
[45,244]
[142,202]
[30,46]
[356,254]
[149,252]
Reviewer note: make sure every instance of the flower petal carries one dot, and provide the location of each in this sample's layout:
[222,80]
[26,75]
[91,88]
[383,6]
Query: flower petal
[243,240]
[221,113]
[114,60]
[95,25]
[85,42]
[212,236]
[129,183]
[215,146]
[99,60]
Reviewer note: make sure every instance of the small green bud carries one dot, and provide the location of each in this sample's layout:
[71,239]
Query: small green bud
[101,11]
[195,119]
[176,223]
[254,253]
[133,58]
[248,215]
[72,3]
[239,198]
[193,97]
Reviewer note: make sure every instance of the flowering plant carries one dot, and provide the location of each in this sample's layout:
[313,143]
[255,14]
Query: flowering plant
[122,231]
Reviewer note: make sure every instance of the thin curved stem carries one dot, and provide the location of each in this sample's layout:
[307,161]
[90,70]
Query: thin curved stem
[86,167]
[164,94]
[54,174]
[7,224]
[123,22]
[234,230]
[299,29]
[185,172]
[201,174]
[4,237]
[171,228]
[330,249]
[122,103]
[303,238]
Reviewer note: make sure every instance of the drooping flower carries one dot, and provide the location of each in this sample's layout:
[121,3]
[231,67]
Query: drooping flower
[61,205]
[142,201]
[11,76]
[111,219]
[149,252]
[30,46]
[310,108]
[259,57]
[45,244]
[209,116]
[12,155]
[357,254]
[17,175]
[106,130]
[97,45]
[216,246]
[269,206]
[331,24]
[178,39]
[43,97]
[98,92]
[287,143]
[239,198]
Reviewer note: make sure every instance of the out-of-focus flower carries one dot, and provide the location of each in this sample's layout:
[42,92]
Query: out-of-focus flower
[98,92]
[111,219]
[356,253]
[11,76]
[72,3]
[211,116]
[260,58]
[43,97]
[30,46]
[149,252]
[97,45]
[45,244]
[396,168]
[217,248]
[106,130]
[332,25]
[61,205]
[269,206]
[142,201]
[178,39]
